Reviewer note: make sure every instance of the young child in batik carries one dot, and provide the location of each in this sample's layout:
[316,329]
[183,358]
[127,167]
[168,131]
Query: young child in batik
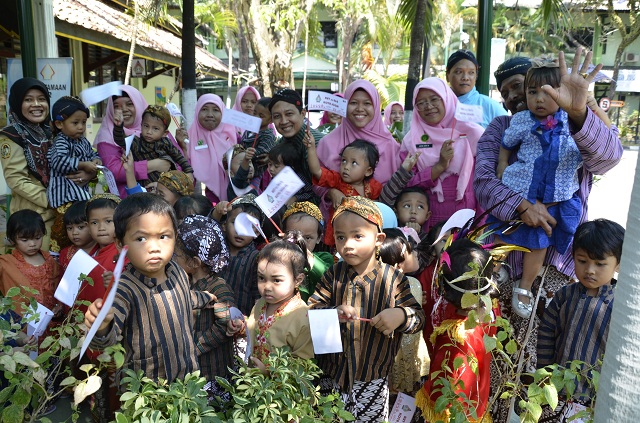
[374,302]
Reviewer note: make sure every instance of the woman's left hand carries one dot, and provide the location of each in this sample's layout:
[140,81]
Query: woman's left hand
[573,92]
[81,177]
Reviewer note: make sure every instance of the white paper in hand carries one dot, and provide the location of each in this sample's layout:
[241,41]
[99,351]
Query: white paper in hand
[241,120]
[39,325]
[239,191]
[110,179]
[236,314]
[174,110]
[319,100]
[127,142]
[244,225]
[325,331]
[457,220]
[69,286]
[107,304]
[403,409]
[96,94]
[469,113]
[279,191]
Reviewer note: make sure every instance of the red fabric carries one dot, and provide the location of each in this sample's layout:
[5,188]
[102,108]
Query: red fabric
[67,253]
[476,387]
[106,257]
[425,278]
[332,179]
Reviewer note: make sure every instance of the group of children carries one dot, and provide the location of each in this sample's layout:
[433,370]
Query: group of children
[186,259]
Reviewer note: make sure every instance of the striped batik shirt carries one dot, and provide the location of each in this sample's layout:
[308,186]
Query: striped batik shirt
[213,347]
[154,322]
[242,276]
[64,156]
[575,326]
[600,148]
[367,353]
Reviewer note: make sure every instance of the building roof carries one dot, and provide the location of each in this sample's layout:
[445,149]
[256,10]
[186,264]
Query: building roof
[99,17]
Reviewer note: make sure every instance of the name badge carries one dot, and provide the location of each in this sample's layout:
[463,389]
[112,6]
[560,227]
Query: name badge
[424,145]
[201,146]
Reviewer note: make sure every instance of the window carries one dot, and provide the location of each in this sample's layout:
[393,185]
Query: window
[329,33]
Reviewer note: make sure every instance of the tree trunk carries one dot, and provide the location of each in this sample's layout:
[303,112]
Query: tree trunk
[243,47]
[271,47]
[415,59]
[349,29]
[618,391]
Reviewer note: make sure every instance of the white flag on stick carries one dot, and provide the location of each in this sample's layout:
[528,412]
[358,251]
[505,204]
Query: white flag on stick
[319,100]
[469,113]
[241,120]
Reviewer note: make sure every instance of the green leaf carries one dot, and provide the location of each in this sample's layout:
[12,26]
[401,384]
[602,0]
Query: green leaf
[21,397]
[127,396]
[489,343]
[68,381]
[458,362]
[469,300]
[118,358]
[13,413]
[7,363]
[511,347]
[86,388]
[551,395]
[12,292]
[22,358]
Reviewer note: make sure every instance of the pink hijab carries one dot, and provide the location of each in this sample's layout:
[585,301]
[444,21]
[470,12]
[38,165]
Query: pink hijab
[237,103]
[464,153]
[375,131]
[325,116]
[105,133]
[387,112]
[207,161]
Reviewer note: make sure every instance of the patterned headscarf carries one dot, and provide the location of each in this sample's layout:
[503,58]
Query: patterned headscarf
[66,106]
[202,236]
[305,207]
[513,66]
[106,196]
[159,112]
[288,96]
[361,206]
[177,182]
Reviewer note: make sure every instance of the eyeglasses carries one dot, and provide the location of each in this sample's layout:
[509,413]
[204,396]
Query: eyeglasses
[424,105]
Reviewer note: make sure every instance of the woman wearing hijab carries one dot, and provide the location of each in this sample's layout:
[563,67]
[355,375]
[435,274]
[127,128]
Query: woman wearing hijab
[447,149]
[209,141]
[363,122]
[23,151]
[132,104]
[394,112]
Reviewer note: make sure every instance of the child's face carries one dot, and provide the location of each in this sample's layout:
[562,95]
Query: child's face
[539,103]
[274,167]
[308,226]
[29,247]
[594,273]
[168,195]
[210,116]
[412,207]
[248,103]
[397,114]
[101,226]
[438,247]
[410,263]
[264,114]
[335,118]
[74,125]
[234,241]
[235,165]
[276,282]
[79,234]
[354,166]
[356,240]
[151,238]
[152,128]
[182,258]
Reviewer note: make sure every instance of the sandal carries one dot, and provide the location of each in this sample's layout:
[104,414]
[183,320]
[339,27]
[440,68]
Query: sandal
[521,309]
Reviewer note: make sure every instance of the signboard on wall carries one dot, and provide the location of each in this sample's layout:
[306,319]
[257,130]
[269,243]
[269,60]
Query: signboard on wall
[138,68]
[55,73]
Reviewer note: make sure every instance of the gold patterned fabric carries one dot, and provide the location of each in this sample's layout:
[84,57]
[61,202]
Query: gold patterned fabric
[177,182]
[305,207]
[361,206]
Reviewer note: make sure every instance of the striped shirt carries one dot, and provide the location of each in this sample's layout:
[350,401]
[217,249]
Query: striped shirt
[154,322]
[64,156]
[161,149]
[265,142]
[575,326]
[368,354]
[601,151]
[242,276]
[213,346]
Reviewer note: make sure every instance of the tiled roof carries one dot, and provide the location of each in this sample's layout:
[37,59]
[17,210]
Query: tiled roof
[97,16]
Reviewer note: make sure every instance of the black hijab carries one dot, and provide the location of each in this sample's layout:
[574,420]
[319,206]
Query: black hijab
[33,138]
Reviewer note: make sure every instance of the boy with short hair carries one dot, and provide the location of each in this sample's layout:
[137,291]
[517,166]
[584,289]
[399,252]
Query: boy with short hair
[575,326]
[153,308]
[153,142]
